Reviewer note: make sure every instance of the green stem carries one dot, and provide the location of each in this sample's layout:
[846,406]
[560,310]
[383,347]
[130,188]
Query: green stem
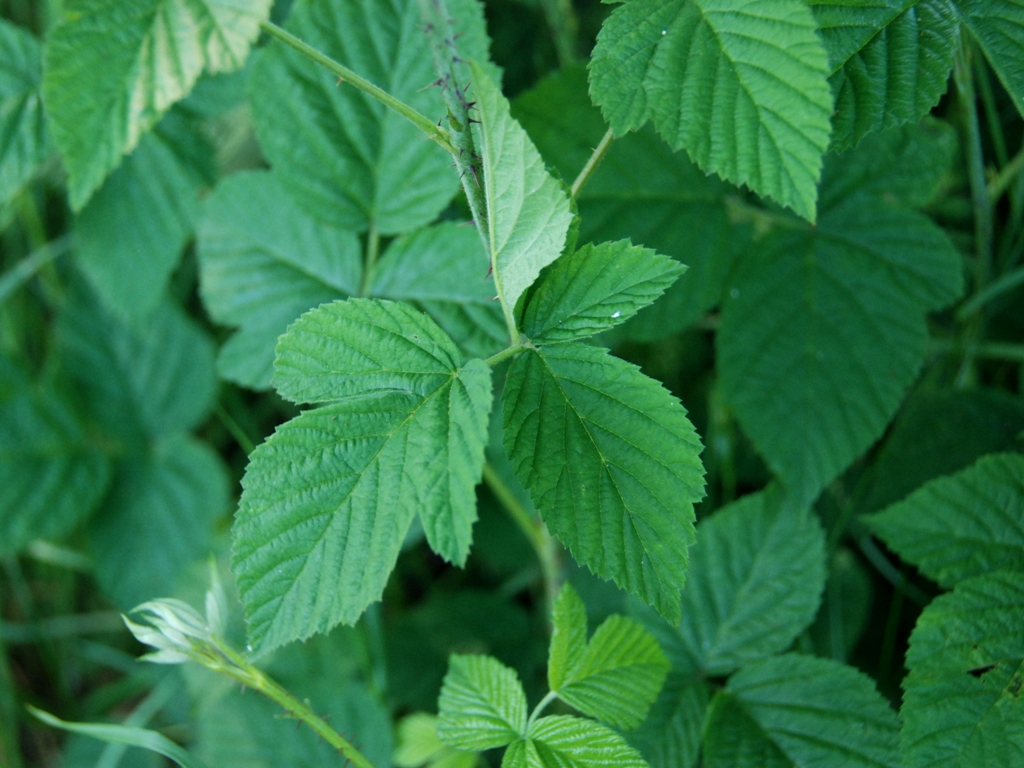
[10,749]
[506,353]
[998,186]
[1006,282]
[370,262]
[990,350]
[425,124]
[25,269]
[595,160]
[234,428]
[564,26]
[983,222]
[248,675]
[551,696]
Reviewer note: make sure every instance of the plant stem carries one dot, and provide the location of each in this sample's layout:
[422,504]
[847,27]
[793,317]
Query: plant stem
[506,353]
[425,124]
[25,269]
[248,675]
[564,26]
[370,262]
[998,186]
[551,696]
[535,531]
[595,160]
[990,350]
[10,749]
[983,223]
[1006,282]
[233,428]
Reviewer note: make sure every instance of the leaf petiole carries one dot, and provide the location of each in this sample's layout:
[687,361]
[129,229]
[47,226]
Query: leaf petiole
[541,705]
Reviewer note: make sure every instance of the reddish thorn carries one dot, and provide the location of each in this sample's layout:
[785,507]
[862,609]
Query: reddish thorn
[340,81]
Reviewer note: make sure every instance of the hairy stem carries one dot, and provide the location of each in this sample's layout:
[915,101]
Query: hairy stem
[430,129]
[595,160]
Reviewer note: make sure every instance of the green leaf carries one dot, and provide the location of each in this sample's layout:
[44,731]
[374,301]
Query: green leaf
[24,139]
[482,704]
[611,462]
[568,636]
[418,744]
[740,84]
[961,526]
[159,518]
[131,234]
[332,493]
[845,300]
[845,609]
[264,262]
[889,61]
[560,741]
[643,191]
[140,383]
[594,289]
[961,702]
[51,478]
[113,67]
[671,735]
[528,212]
[443,270]
[799,711]
[346,158]
[755,583]
[123,734]
[998,26]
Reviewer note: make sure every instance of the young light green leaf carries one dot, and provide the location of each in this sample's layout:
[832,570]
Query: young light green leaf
[611,462]
[961,702]
[962,525]
[482,704]
[528,212]
[593,289]
[560,741]
[443,270]
[740,84]
[643,191]
[346,158]
[50,479]
[131,234]
[113,67]
[123,734]
[755,583]
[618,676]
[159,519]
[24,139]
[143,382]
[329,497]
[418,745]
[670,736]
[263,262]
[799,711]
[568,636]
[846,299]
[889,61]
[998,26]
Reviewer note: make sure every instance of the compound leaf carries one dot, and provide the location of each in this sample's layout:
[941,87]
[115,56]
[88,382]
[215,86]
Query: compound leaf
[482,704]
[528,212]
[346,158]
[611,462]
[889,61]
[961,702]
[132,232]
[740,84]
[755,583]
[264,262]
[786,711]
[113,67]
[560,741]
[593,289]
[24,139]
[158,519]
[442,269]
[817,313]
[963,525]
[50,477]
[328,499]
[998,25]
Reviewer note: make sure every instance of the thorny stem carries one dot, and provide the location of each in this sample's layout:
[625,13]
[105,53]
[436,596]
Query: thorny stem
[245,673]
[433,132]
[535,531]
[595,160]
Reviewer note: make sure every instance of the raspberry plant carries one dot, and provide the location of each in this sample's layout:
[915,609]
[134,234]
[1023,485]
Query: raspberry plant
[295,287]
